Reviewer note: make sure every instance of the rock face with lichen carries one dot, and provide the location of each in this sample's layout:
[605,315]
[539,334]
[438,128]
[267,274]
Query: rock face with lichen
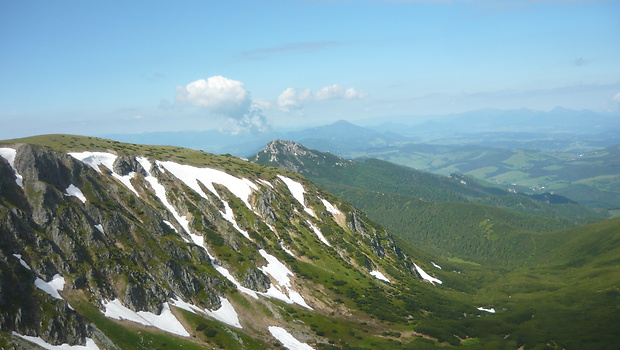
[150,228]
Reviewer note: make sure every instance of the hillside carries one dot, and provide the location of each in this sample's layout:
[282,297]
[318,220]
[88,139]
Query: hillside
[137,247]
[456,216]
[590,179]
[122,246]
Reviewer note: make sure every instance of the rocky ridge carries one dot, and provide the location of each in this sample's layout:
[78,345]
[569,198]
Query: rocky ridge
[132,232]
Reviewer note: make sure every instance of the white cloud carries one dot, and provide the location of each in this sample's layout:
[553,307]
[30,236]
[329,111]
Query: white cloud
[227,98]
[617,97]
[338,92]
[290,99]
[220,95]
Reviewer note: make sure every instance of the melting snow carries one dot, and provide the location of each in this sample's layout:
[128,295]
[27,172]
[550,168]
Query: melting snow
[380,276]
[100,228]
[265,182]
[280,273]
[229,215]
[9,154]
[75,192]
[90,344]
[287,339]
[52,287]
[297,190]
[491,310]
[191,176]
[226,313]
[319,233]
[21,261]
[165,321]
[426,276]
[288,251]
[330,207]
[94,159]
[437,266]
[170,225]
[160,192]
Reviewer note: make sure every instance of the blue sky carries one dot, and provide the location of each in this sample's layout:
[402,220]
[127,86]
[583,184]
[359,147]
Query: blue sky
[95,67]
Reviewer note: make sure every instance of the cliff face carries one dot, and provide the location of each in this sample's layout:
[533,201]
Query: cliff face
[134,232]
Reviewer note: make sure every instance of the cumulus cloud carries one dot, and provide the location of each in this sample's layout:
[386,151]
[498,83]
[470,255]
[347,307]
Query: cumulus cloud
[292,99]
[338,92]
[219,94]
[227,98]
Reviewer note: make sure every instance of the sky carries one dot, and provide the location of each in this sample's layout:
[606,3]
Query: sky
[96,67]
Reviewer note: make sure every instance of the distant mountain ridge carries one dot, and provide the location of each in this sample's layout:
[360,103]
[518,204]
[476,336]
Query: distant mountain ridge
[413,203]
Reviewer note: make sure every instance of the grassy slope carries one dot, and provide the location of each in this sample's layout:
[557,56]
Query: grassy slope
[591,179]
[570,278]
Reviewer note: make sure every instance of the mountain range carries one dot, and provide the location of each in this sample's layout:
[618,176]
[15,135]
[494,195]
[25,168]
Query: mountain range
[110,245]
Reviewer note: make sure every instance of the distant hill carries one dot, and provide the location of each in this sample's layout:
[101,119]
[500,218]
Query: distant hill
[591,179]
[442,214]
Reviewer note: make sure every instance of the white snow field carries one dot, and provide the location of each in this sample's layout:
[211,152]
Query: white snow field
[280,273]
[160,192]
[226,313]
[330,207]
[165,321]
[426,276]
[52,287]
[287,339]
[90,344]
[94,159]
[21,261]
[319,233]
[9,154]
[297,190]
[191,176]
[437,266]
[491,310]
[379,275]
[72,190]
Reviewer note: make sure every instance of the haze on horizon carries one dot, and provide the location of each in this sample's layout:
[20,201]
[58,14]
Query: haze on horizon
[130,67]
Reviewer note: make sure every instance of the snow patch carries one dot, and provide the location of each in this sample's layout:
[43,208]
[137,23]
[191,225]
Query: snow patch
[170,225]
[52,287]
[229,215]
[426,276]
[95,159]
[21,261]
[287,339]
[265,182]
[380,276]
[9,154]
[491,310]
[160,192]
[165,321]
[90,344]
[437,266]
[280,273]
[192,176]
[330,207]
[100,228]
[287,250]
[319,233]
[72,190]
[226,313]
[297,190]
